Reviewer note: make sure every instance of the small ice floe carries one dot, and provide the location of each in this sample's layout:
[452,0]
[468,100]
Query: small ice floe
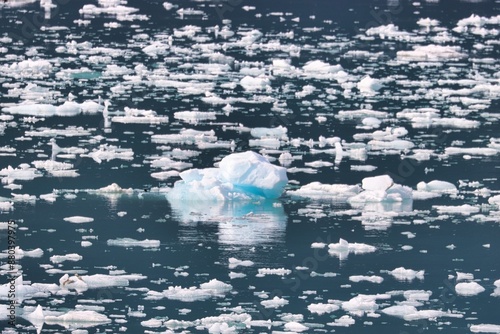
[389,31]
[317,190]
[343,321]
[234,263]
[343,248]
[494,200]
[371,279]
[485,328]
[276,302]
[68,257]
[403,274]
[273,271]
[468,289]
[108,152]
[129,242]
[20,253]
[473,151]
[362,304]
[78,319]
[240,176]
[465,209]
[139,116]
[321,308]
[434,188]
[79,219]
[410,313]
[295,327]
[369,86]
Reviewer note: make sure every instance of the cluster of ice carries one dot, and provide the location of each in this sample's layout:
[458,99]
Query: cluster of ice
[485,328]
[319,190]
[69,108]
[381,189]
[240,176]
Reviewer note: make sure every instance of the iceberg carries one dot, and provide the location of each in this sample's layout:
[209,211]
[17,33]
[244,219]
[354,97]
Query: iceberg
[245,176]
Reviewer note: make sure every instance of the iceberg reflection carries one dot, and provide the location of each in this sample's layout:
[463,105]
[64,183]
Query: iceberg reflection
[239,223]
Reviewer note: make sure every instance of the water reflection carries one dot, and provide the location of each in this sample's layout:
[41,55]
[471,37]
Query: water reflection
[239,223]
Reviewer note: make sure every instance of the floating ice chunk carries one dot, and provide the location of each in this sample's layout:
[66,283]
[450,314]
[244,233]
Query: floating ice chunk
[295,327]
[381,189]
[277,132]
[77,319]
[20,253]
[194,117]
[34,69]
[389,31]
[343,248]
[112,189]
[369,85]
[213,288]
[361,113]
[276,302]
[343,321]
[273,271]
[464,276]
[319,69]
[474,151]
[372,279]
[485,328]
[79,219]
[68,257]
[328,191]
[322,308]
[432,52]
[110,152]
[403,274]
[362,304]
[186,136]
[252,84]
[464,209]
[399,310]
[239,176]
[377,183]
[468,289]
[437,186]
[494,200]
[23,173]
[139,116]
[427,22]
[129,242]
[234,263]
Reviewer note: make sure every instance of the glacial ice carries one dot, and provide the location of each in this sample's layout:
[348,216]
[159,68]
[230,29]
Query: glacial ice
[240,176]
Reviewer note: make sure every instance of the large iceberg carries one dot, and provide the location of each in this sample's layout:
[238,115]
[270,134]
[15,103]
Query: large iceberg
[240,176]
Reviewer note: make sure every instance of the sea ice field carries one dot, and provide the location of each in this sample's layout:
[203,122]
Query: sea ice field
[249,166]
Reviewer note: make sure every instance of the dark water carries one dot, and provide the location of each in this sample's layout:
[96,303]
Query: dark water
[199,239]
